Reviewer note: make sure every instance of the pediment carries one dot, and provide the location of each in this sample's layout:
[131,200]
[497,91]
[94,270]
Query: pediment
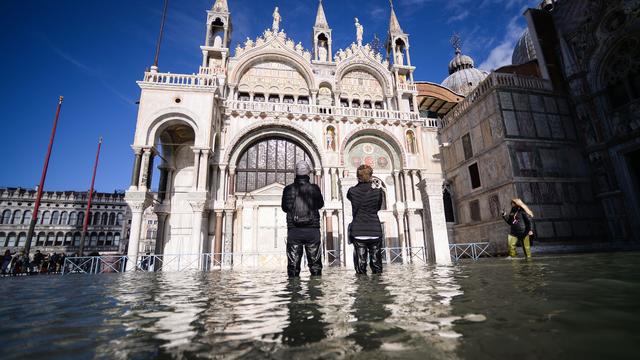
[272,190]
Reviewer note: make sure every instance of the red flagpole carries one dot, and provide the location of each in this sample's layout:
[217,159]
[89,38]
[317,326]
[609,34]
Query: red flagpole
[86,214]
[36,208]
[164,17]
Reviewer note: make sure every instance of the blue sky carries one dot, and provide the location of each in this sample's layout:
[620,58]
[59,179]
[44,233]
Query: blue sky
[93,52]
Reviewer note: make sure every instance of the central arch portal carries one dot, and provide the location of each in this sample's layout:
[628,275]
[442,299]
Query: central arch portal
[264,167]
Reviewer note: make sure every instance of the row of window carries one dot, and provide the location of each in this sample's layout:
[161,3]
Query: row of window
[61,239]
[17,217]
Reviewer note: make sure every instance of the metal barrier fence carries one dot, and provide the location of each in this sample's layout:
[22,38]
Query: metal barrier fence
[213,261]
[94,264]
[469,250]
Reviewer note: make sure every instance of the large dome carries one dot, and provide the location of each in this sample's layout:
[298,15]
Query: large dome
[463,77]
[524,51]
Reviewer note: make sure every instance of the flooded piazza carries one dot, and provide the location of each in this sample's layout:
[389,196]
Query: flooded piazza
[578,306]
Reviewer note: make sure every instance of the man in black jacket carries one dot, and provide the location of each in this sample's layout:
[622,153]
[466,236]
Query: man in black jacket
[301,201]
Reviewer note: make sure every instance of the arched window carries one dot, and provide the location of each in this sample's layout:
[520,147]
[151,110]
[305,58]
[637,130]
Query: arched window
[76,239]
[81,218]
[267,162]
[112,219]
[6,217]
[59,239]
[105,219]
[41,239]
[73,218]
[94,239]
[55,218]
[68,239]
[64,218]
[116,239]
[46,218]
[96,218]
[120,219]
[11,239]
[51,237]
[3,239]
[109,239]
[26,217]
[22,239]
[15,219]
[101,239]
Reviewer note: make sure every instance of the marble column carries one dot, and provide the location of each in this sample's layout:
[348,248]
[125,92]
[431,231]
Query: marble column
[327,185]
[228,238]
[137,209]
[137,162]
[196,247]
[435,226]
[399,215]
[144,169]
[217,247]
[396,185]
[160,237]
[232,181]
[345,184]
[221,189]
[196,169]
[204,170]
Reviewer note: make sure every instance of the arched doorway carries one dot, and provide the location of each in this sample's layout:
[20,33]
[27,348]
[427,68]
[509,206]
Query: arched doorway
[263,169]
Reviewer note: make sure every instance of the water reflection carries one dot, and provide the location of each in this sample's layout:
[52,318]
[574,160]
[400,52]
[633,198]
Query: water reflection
[405,312]
[306,321]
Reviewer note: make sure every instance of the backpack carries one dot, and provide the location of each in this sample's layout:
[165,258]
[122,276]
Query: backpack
[300,217]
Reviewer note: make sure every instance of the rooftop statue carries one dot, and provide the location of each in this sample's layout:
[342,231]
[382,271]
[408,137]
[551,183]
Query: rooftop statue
[359,32]
[276,20]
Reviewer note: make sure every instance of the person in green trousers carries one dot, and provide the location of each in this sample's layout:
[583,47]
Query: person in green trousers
[520,224]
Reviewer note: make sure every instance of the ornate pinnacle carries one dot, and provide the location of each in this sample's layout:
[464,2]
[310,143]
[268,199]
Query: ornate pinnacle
[456,42]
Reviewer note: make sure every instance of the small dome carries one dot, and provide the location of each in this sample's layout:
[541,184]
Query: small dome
[459,62]
[463,76]
[524,51]
[464,81]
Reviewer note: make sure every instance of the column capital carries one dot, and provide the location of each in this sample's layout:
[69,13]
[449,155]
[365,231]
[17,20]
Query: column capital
[198,206]
[137,149]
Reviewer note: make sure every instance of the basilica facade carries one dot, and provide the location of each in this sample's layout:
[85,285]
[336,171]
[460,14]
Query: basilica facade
[223,143]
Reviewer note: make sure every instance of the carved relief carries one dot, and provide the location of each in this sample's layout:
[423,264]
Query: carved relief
[267,75]
[361,85]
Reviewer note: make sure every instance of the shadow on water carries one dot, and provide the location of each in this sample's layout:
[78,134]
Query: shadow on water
[554,308]
[551,307]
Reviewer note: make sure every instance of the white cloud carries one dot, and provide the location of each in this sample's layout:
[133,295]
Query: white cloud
[501,54]
[461,16]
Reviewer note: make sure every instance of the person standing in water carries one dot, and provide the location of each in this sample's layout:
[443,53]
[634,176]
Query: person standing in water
[520,224]
[365,230]
[301,201]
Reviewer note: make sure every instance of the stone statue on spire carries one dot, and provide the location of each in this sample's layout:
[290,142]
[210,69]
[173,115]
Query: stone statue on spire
[276,20]
[359,32]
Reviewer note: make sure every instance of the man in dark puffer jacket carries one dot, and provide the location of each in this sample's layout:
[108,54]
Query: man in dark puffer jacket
[366,230]
[301,201]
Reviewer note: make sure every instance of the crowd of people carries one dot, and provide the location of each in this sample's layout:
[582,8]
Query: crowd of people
[21,264]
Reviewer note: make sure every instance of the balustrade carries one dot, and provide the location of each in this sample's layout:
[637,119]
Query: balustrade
[308,109]
[182,80]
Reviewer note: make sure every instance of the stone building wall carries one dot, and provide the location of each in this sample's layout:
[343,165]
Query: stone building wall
[61,219]
[524,144]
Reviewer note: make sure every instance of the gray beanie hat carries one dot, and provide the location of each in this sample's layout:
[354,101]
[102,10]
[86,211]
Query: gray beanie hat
[303,168]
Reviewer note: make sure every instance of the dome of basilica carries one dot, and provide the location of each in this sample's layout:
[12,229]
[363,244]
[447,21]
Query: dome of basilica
[524,51]
[463,76]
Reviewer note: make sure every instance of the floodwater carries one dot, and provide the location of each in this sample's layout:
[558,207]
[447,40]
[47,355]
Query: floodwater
[562,307]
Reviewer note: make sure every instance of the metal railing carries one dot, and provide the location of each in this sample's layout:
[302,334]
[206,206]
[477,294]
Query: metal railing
[94,264]
[219,261]
[469,250]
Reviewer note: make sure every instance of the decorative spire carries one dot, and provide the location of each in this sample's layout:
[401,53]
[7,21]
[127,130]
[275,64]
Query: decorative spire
[394,24]
[456,42]
[321,19]
[220,5]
